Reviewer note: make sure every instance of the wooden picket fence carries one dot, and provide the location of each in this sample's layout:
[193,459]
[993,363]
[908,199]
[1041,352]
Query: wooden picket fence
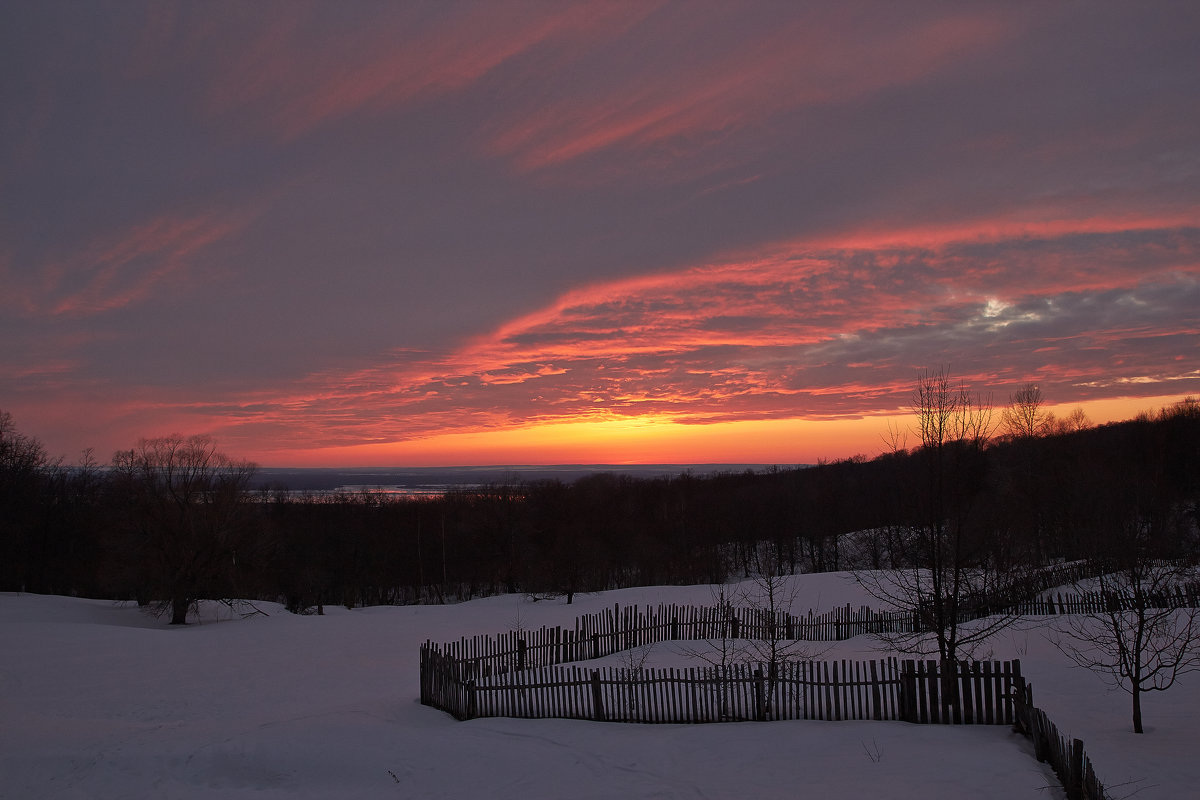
[1065,756]
[445,668]
[885,689]
[1182,596]
[619,629]
[966,693]
[732,693]
[526,674]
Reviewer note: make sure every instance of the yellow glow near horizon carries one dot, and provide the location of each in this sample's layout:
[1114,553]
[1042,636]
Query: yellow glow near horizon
[624,441]
[654,440]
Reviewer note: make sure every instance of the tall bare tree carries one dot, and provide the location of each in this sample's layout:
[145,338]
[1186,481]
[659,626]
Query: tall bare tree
[946,580]
[1023,421]
[186,504]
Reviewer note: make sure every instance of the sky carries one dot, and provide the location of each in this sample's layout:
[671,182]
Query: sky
[440,233]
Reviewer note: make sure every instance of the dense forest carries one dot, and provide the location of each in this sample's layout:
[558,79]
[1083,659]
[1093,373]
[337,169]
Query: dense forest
[174,520]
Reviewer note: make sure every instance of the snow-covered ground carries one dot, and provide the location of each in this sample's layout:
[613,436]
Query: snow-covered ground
[100,701]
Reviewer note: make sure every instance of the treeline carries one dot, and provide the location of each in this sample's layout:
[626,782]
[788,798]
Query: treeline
[173,520]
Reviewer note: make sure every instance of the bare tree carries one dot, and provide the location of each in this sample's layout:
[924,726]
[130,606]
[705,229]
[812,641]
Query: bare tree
[1139,509]
[23,468]
[896,438]
[633,669]
[947,579]
[726,647]
[1074,422]
[1023,421]
[1146,636]
[1026,416]
[773,595]
[18,452]
[186,517]
[722,650]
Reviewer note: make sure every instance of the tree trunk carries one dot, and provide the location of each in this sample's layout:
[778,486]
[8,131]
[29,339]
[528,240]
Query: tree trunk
[1137,706]
[179,609]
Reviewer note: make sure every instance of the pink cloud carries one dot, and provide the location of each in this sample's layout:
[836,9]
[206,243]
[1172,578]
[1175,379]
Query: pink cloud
[409,52]
[288,74]
[120,269]
[687,104]
[818,333]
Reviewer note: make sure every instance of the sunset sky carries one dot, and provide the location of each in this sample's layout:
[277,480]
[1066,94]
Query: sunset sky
[434,233]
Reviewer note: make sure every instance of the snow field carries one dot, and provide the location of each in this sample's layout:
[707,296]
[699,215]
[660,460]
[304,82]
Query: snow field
[98,700]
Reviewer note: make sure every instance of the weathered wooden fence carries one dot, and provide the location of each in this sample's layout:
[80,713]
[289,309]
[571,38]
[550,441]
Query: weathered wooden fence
[524,674]
[1182,596]
[885,689]
[1066,757]
[966,693]
[736,692]
[446,668]
[618,629]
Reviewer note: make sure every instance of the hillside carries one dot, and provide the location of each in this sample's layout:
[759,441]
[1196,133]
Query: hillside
[101,701]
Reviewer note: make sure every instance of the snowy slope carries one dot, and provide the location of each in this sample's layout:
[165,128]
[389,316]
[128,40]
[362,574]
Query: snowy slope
[99,701]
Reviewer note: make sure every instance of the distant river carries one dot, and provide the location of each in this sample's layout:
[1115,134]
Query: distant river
[436,481]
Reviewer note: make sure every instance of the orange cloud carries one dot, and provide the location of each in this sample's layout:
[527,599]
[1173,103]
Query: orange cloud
[118,270]
[799,333]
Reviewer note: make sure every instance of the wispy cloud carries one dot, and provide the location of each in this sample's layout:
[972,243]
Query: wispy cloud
[691,103]
[798,332]
[119,269]
[408,52]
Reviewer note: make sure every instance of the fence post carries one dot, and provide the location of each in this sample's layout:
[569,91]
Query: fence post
[472,702]
[425,670]
[951,691]
[876,711]
[597,697]
[733,627]
[595,645]
[1075,771]
[760,698]
[1019,696]
[908,690]
[520,655]
[965,696]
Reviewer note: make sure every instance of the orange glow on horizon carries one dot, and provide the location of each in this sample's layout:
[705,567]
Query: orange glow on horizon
[649,440]
[630,441]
